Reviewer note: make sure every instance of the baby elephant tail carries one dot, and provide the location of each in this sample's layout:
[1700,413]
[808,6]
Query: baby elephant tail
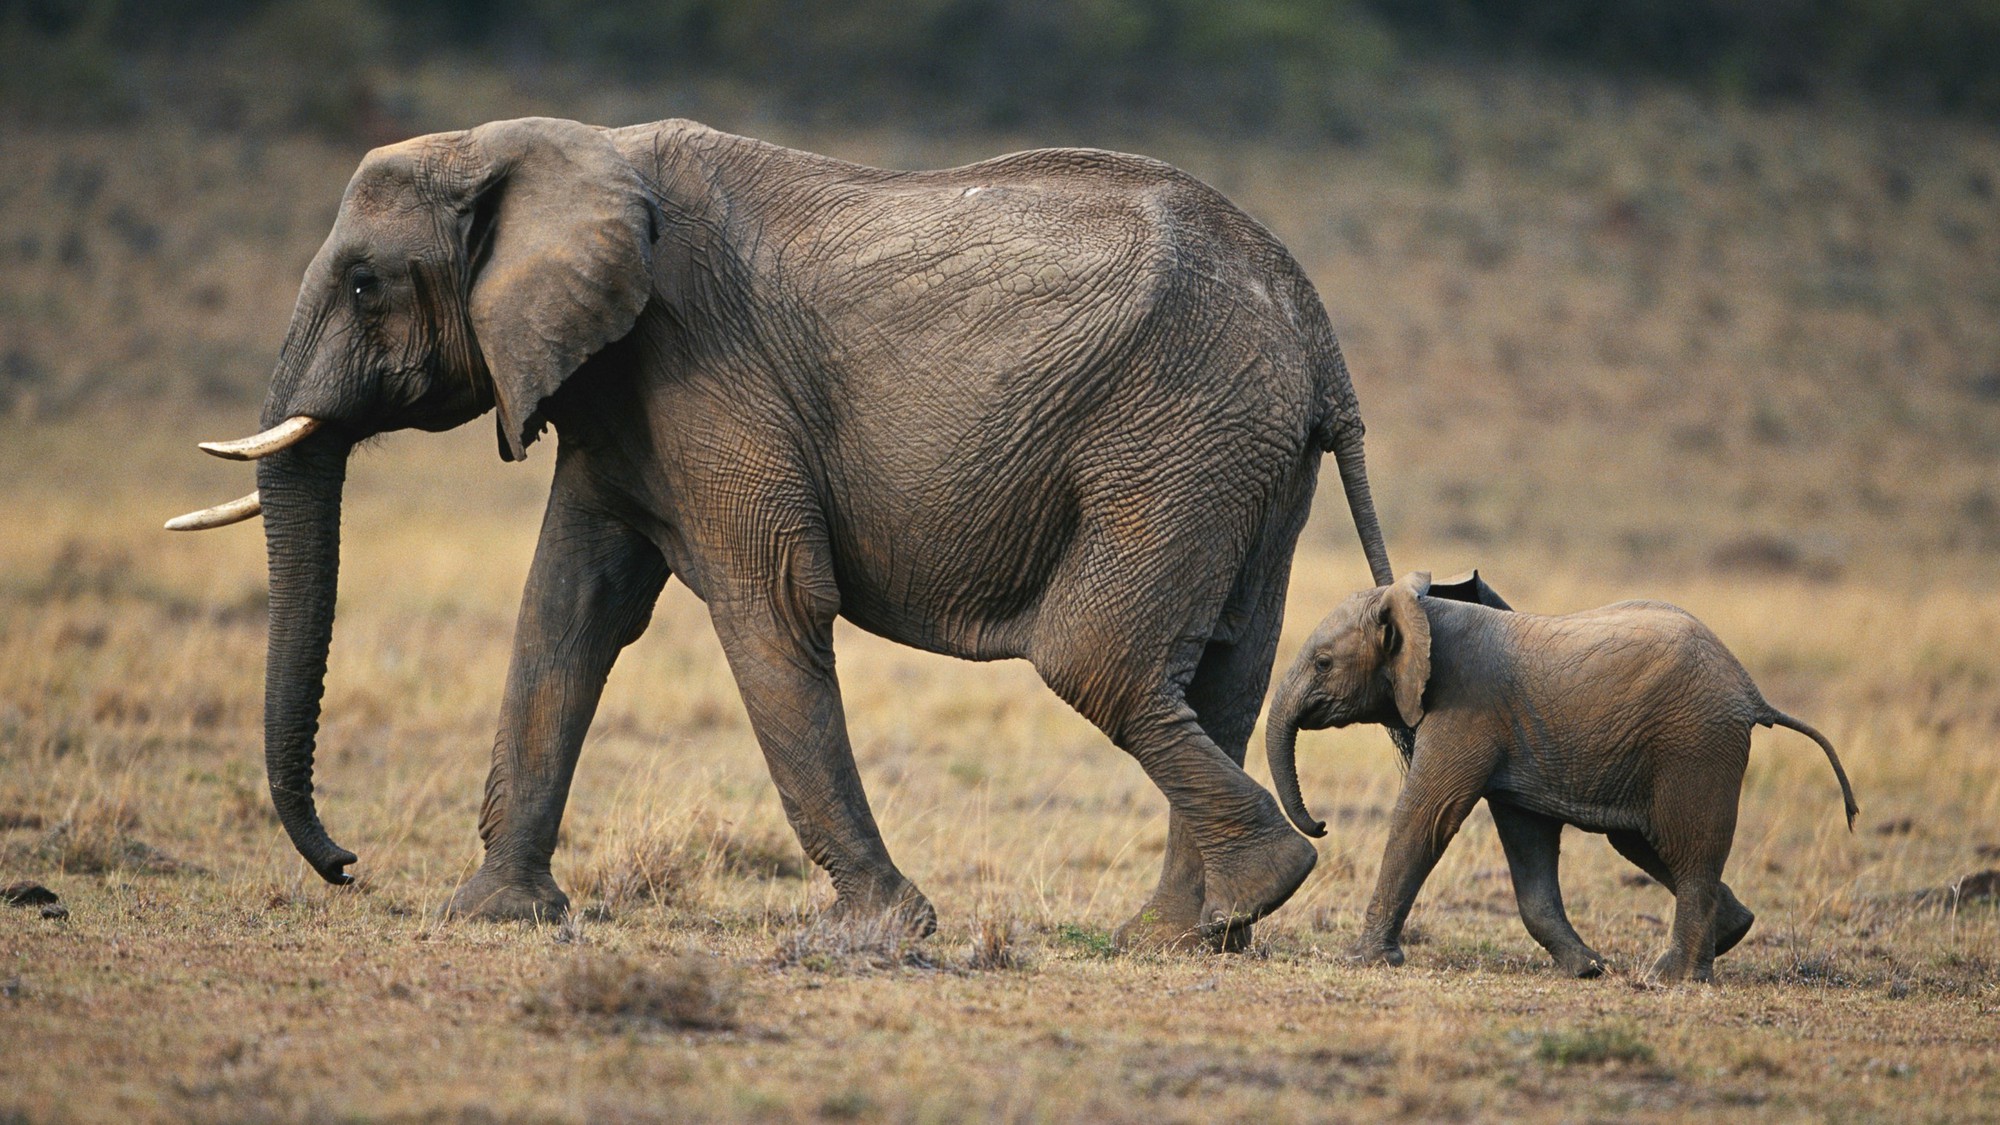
[1774,717]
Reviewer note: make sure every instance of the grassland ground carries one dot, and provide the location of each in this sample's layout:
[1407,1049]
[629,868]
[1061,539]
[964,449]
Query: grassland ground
[1607,346]
[204,972]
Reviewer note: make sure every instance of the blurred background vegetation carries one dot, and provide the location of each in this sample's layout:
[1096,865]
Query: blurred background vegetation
[1244,64]
[1659,284]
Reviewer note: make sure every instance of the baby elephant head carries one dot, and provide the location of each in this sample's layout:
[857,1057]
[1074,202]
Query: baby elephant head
[1366,663]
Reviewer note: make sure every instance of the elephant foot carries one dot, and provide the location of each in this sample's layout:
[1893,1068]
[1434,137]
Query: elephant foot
[895,901]
[1731,927]
[1369,951]
[1254,877]
[1158,929]
[1671,968]
[495,898]
[1583,963]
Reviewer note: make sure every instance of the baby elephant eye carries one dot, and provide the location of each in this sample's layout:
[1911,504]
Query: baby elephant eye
[1323,661]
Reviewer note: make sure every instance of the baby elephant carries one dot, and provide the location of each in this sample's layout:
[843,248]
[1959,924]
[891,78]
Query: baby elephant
[1631,720]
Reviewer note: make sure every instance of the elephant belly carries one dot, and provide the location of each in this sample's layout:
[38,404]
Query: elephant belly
[1607,801]
[962,578]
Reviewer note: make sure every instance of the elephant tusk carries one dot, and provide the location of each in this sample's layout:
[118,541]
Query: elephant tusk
[285,433]
[222,515]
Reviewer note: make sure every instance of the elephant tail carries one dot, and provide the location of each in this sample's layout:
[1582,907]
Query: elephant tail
[1338,430]
[1774,717]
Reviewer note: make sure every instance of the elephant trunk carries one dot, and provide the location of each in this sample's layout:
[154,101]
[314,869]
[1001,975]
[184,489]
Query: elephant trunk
[1281,739]
[1354,478]
[300,488]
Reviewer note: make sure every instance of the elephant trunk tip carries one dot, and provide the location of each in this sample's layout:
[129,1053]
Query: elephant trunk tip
[332,868]
[301,822]
[329,859]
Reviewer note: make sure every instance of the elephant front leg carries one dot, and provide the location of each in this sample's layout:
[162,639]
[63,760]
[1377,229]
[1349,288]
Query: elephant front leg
[590,593]
[783,662]
[1435,801]
[1533,844]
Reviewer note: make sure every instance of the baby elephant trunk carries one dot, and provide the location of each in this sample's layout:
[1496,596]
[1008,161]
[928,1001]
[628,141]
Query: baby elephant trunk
[1281,740]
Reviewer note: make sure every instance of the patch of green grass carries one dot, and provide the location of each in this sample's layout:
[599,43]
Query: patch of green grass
[1594,1046]
[1085,941]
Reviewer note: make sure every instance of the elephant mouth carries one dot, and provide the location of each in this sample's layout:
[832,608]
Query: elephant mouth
[1325,717]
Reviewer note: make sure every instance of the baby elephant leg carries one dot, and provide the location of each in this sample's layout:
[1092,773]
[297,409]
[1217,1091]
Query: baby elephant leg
[1533,843]
[1427,816]
[1732,918]
[1690,951]
[1697,883]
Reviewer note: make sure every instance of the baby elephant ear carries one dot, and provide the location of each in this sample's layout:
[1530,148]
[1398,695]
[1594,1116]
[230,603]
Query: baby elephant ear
[1468,587]
[558,238]
[1410,655]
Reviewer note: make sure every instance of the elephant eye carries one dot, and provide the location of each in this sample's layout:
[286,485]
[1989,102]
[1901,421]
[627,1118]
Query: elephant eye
[365,286]
[1323,661]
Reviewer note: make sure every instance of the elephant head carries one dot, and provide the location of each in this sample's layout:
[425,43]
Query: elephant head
[465,272]
[1367,662]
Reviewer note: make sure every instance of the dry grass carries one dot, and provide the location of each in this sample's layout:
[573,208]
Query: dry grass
[850,945]
[1607,347]
[690,991]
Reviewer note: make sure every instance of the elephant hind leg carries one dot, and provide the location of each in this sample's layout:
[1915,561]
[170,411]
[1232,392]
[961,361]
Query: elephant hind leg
[1732,919]
[1126,665]
[1694,863]
[1251,859]
[1690,951]
[1533,844]
[1227,694]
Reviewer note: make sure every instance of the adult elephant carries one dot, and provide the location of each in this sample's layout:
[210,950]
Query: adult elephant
[1065,405]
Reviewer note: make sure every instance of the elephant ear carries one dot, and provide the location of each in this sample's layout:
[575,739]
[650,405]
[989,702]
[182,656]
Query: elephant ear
[558,231]
[1406,644]
[1468,587]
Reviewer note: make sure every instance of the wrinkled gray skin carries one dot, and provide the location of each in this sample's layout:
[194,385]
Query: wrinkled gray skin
[1064,405]
[1632,720]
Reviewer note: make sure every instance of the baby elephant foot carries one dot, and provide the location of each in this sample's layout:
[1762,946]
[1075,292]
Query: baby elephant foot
[891,901]
[1672,968]
[1370,951]
[1731,926]
[1253,877]
[490,897]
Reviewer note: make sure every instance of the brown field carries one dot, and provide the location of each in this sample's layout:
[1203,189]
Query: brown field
[1608,343]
